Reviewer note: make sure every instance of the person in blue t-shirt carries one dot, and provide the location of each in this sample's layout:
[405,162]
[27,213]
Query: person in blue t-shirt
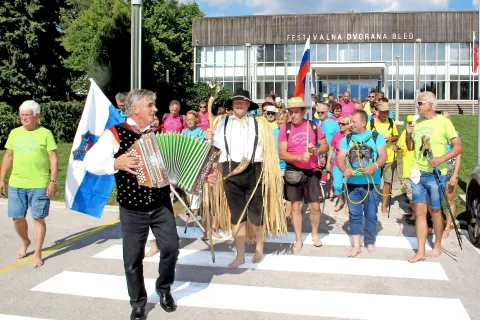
[362,154]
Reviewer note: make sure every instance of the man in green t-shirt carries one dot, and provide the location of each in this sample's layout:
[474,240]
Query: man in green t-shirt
[439,131]
[33,181]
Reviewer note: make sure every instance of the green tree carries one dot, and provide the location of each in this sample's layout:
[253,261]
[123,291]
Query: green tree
[30,54]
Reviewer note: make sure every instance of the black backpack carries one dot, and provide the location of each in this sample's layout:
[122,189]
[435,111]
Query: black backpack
[372,124]
[312,123]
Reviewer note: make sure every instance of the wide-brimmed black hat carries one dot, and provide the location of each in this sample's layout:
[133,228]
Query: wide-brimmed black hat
[244,95]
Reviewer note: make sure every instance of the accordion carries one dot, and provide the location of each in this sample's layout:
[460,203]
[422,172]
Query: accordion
[173,158]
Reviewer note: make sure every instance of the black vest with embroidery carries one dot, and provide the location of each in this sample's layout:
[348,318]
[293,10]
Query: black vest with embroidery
[130,195]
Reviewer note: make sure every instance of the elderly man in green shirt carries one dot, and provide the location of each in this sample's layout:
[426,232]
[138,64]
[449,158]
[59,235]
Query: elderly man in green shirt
[33,181]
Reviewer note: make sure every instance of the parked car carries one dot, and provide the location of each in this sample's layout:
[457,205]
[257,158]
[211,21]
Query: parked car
[473,207]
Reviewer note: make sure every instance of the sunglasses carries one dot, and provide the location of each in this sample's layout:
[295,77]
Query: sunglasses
[343,124]
[202,107]
[421,103]
[371,97]
[270,113]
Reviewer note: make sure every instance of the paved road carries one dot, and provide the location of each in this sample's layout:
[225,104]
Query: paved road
[84,279]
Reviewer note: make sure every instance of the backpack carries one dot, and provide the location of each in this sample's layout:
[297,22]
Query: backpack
[312,123]
[372,124]
[354,159]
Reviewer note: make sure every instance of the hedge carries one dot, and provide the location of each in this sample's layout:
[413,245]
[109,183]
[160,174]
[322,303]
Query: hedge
[61,118]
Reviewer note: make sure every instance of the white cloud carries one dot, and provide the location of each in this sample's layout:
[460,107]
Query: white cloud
[475,4]
[330,6]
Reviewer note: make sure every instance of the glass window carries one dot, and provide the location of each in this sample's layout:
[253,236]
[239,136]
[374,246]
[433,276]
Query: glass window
[321,52]
[291,52]
[279,52]
[229,56]
[453,90]
[353,52]
[376,52]
[464,52]
[431,51]
[200,54]
[364,52]
[408,91]
[239,56]
[299,52]
[454,52]
[398,51]
[269,53]
[197,72]
[343,52]
[237,85]
[313,52]
[422,52]
[228,85]
[387,52]
[210,57]
[441,90]
[441,52]
[465,90]
[219,56]
[408,52]
[332,52]
[269,86]
[260,53]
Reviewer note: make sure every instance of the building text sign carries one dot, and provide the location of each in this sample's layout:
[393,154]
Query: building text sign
[350,37]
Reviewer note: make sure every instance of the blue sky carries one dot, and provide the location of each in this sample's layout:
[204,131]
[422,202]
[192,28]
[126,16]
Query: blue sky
[215,8]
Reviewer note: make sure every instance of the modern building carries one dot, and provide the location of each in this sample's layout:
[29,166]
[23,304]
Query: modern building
[354,52]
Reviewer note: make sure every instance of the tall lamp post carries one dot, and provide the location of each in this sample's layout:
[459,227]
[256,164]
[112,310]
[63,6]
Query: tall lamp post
[136,45]
[417,73]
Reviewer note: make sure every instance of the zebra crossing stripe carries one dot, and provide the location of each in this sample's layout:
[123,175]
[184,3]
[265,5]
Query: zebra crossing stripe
[332,239]
[307,264]
[10,317]
[264,299]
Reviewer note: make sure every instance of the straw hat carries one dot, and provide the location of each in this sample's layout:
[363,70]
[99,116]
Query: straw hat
[297,102]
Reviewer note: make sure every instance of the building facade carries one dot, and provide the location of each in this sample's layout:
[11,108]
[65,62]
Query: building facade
[354,52]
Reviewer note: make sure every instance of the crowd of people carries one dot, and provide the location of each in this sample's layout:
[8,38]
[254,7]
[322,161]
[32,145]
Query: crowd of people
[273,160]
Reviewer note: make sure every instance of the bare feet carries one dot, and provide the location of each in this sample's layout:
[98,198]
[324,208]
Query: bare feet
[297,247]
[353,253]
[37,262]
[22,252]
[416,258]
[316,241]
[437,251]
[204,237]
[257,257]
[239,260]
[215,234]
[446,233]
[371,248]
[153,251]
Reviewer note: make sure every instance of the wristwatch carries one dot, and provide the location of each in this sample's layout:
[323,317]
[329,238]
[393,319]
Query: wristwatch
[53,180]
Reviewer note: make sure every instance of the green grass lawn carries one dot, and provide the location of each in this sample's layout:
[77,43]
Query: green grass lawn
[465,125]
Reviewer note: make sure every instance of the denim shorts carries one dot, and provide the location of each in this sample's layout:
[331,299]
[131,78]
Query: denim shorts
[19,200]
[428,188]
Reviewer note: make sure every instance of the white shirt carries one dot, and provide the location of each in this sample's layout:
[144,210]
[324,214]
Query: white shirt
[240,139]
[100,159]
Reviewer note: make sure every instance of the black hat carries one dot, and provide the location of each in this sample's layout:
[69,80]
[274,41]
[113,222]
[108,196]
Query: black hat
[244,95]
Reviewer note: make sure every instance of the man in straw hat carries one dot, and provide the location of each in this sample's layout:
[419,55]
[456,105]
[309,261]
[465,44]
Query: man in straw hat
[251,189]
[298,142]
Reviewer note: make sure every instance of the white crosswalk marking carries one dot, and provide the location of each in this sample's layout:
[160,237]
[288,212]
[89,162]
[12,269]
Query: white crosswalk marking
[290,263]
[299,300]
[10,317]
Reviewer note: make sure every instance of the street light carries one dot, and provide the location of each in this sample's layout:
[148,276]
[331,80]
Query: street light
[249,77]
[417,74]
[136,45]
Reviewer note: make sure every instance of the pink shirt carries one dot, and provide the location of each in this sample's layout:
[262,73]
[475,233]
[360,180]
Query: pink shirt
[347,108]
[173,124]
[337,138]
[297,142]
[203,120]
[336,119]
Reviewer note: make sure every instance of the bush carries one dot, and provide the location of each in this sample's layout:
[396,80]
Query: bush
[201,92]
[8,121]
[62,118]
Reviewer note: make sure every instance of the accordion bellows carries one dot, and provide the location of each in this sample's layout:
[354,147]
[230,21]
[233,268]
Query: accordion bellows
[174,158]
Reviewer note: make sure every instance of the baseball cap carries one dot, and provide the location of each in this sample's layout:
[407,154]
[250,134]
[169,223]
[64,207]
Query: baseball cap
[383,106]
[325,95]
[270,109]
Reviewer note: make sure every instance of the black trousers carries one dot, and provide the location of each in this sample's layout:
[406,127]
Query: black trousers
[135,227]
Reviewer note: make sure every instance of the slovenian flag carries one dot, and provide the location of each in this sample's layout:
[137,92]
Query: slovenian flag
[84,191]
[475,53]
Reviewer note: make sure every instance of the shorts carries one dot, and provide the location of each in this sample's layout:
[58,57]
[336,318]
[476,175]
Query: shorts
[20,199]
[308,189]
[239,188]
[428,188]
[388,171]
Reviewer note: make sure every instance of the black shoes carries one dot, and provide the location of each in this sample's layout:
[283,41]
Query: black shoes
[138,313]
[167,302]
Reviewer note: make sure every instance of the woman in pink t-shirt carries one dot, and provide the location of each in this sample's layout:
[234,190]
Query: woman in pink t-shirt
[174,122]
[203,115]
[332,161]
[302,181]
[337,112]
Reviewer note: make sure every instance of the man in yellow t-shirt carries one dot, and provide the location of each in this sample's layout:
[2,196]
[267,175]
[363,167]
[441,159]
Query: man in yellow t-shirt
[440,131]
[387,127]
[33,181]
[407,159]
